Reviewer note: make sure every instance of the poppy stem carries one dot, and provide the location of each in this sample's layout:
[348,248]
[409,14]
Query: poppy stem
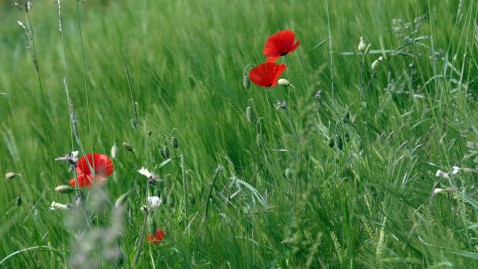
[362,90]
[143,228]
[141,239]
[183,172]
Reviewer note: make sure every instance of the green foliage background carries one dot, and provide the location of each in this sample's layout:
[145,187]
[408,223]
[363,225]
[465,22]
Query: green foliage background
[369,203]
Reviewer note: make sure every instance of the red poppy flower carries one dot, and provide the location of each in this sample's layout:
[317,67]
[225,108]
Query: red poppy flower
[157,238]
[267,74]
[101,164]
[280,44]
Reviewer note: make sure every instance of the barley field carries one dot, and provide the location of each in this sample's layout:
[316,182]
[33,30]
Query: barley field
[239,134]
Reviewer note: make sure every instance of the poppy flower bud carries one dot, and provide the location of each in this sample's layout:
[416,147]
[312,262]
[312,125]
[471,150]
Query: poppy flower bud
[18,201]
[10,175]
[346,117]
[114,151]
[121,200]
[340,142]
[246,82]
[376,63]
[64,189]
[362,46]
[128,147]
[331,143]
[58,206]
[175,142]
[284,82]
[289,173]
[165,152]
[250,115]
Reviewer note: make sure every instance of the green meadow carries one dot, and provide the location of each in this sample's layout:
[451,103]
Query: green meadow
[367,159]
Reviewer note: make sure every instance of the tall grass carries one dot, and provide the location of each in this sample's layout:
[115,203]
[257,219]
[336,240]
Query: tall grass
[339,179]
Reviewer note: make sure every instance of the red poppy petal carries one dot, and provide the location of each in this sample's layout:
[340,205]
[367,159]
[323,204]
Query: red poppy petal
[83,181]
[82,166]
[278,72]
[280,44]
[159,234]
[266,74]
[101,164]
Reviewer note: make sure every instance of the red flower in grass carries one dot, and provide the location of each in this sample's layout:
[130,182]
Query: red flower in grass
[157,238]
[267,74]
[280,44]
[102,166]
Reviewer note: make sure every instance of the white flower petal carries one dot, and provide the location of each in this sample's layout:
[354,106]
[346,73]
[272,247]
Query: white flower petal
[143,171]
[154,201]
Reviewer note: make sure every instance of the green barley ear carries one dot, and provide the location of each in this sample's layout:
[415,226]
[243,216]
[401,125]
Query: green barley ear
[121,200]
[65,189]
[259,140]
[250,115]
[165,152]
[246,82]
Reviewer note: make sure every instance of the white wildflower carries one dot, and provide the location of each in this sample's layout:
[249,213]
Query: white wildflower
[439,173]
[154,201]
[455,170]
[438,190]
[143,171]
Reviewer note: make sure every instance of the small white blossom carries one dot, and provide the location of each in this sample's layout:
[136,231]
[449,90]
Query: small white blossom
[439,173]
[438,190]
[154,201]
[143,171]
[455,170]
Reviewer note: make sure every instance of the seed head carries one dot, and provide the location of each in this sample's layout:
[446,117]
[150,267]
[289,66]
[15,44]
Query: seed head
[121,200]
[165,152]
[64,189]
